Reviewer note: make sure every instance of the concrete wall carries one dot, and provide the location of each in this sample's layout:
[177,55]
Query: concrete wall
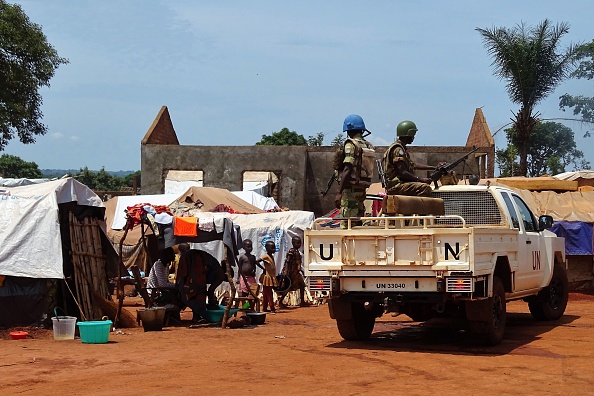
[303,171]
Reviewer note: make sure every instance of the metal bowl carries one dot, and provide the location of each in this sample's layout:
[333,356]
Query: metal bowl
[257,318]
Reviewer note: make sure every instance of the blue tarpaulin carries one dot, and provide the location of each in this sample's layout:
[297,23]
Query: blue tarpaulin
[578,236]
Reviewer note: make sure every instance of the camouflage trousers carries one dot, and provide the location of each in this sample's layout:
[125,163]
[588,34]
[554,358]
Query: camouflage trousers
[352,205]
[410,188]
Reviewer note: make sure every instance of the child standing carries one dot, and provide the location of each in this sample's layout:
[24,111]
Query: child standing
[268,277]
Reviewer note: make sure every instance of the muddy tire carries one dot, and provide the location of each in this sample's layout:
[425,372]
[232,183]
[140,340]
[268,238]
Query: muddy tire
[491,331]
[551,302]
[360,326]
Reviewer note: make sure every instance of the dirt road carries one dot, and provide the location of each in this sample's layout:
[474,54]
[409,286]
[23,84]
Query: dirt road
[298,352]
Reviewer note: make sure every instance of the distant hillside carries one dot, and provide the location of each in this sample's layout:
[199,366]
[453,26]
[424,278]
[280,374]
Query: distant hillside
[50,173]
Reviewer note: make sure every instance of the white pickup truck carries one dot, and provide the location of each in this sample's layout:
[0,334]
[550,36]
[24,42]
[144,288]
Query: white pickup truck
[484,247]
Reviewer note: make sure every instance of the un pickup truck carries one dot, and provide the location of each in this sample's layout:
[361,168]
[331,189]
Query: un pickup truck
[479,247]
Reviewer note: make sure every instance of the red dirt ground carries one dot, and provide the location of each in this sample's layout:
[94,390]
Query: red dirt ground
[299,351]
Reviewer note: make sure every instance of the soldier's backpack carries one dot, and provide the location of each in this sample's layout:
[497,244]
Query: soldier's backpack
[338,161]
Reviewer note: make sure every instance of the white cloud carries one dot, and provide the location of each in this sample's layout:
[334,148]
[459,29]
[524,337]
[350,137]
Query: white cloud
[57,135]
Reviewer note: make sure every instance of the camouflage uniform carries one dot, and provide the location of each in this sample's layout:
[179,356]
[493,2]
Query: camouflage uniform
[395,153]
[353,195]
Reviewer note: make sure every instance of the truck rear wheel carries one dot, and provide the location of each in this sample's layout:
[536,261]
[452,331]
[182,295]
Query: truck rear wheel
[360,326]
[492,330]
[551,302]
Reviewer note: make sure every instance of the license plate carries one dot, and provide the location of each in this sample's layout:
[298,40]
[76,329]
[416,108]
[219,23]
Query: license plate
[389,284]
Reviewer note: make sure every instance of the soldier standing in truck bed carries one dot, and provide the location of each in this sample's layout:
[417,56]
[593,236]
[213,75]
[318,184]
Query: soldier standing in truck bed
[357,170]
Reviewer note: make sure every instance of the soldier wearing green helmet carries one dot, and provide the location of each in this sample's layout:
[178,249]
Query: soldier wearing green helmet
[400,170]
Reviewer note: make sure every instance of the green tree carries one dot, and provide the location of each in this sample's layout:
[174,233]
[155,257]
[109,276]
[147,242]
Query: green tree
[551,149]
[528,60]
[317,140]
[128,180]
[583,106]
[106,182]
[86,177]
[506,160]
[13,166]
[338,140]
[27,63]
[284,137]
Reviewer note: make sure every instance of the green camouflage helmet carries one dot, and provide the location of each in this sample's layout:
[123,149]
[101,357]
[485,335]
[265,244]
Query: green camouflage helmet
[406,128]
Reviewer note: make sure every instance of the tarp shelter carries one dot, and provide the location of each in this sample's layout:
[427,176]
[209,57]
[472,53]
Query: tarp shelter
[34,242]
[261,182]
[178,181]
[279,227]
[9,182]
[584,178]
[194,199]
[259,201]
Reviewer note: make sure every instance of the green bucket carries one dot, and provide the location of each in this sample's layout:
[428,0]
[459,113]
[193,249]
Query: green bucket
[94,332]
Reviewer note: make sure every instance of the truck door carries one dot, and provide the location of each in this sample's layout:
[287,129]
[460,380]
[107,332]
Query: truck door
[531,259]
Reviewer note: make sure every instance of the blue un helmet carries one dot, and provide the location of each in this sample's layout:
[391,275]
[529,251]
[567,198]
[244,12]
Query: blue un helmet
[353,122]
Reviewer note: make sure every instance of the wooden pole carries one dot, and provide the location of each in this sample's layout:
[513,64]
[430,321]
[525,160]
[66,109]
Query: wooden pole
[231,284]
[90,261]
[119,284]
[77,280]
[85,296]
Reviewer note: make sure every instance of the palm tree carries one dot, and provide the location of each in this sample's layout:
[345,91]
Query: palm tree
[527,59]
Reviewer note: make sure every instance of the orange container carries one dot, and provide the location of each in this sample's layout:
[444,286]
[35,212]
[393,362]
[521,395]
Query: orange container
[18,335]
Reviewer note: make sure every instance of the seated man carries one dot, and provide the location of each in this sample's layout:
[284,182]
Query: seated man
[158,285]
[399,168]
[215,275]
[191,282]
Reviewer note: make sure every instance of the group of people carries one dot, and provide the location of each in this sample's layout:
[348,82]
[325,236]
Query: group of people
[357,168]
[198,275]
[291,273]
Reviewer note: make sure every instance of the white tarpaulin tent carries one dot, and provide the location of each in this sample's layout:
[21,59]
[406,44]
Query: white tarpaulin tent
[280,227]
[30,242]
[178,182]
[259,201]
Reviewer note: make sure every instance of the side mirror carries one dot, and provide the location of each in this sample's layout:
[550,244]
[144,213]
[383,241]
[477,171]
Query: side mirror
[544,222]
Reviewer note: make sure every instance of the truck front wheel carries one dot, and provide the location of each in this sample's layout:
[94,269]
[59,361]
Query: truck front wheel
[360,326]
[492,330]
[551,302]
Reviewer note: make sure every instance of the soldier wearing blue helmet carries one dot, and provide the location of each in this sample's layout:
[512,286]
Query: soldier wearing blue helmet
[357,170]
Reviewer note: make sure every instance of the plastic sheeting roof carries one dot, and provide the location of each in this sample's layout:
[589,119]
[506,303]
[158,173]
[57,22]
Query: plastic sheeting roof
[30,241]
[583,174]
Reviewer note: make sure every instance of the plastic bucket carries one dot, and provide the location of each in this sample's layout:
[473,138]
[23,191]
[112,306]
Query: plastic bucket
[94,332]
[64,327]
[152,318]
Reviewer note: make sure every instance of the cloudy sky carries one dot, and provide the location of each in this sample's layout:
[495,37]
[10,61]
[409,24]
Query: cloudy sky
[231,71]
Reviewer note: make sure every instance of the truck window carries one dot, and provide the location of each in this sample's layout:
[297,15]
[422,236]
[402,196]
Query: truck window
[476,207]
[511,210]
[525,214]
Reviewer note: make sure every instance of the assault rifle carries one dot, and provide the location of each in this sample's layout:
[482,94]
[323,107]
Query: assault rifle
[330,182]
[381,172]
[445,169]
